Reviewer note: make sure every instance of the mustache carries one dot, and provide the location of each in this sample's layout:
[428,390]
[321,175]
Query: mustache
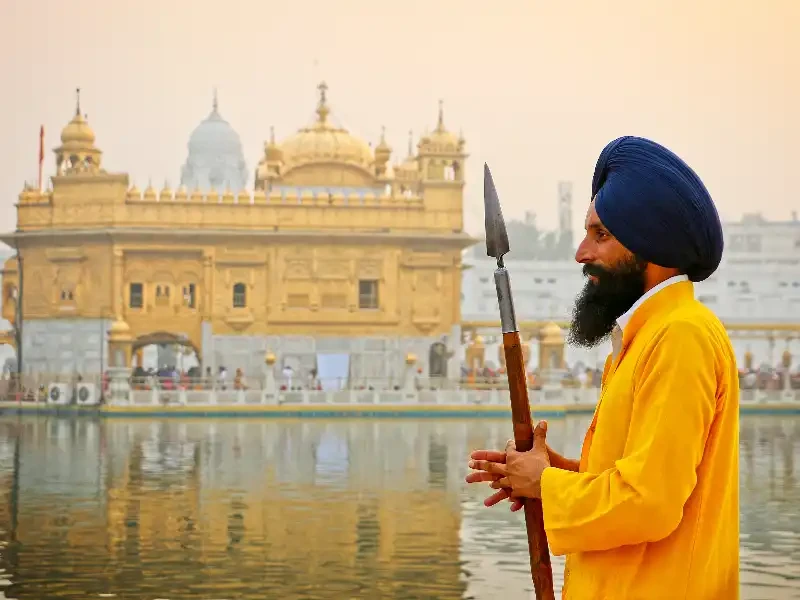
[590,270]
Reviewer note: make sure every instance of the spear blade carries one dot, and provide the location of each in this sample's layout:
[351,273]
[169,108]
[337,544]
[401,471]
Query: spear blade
[496,235]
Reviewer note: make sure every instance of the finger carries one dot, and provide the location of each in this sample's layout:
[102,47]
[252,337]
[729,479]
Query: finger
[511,446]
[495,498]
[516,504]
[540,436]
[492,455]
[478,476]
[489,467]
[500,483]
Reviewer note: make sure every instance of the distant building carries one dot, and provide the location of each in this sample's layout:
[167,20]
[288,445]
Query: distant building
[756,290]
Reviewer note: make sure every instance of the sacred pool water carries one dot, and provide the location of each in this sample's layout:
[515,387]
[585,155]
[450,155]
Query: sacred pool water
[310,509]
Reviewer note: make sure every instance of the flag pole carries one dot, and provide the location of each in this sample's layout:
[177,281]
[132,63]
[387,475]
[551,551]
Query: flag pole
[41,155]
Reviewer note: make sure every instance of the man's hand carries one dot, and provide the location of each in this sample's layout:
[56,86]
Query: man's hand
[515,474]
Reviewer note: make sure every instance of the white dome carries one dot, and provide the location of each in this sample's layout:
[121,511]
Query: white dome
[216,159]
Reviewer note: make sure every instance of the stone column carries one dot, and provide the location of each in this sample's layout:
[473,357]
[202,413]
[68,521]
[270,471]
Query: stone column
[120,342]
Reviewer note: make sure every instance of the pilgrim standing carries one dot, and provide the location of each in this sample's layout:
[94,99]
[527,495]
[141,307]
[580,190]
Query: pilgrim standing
[650,510]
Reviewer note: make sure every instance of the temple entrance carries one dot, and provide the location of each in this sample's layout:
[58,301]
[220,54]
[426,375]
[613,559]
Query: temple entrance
[165,358]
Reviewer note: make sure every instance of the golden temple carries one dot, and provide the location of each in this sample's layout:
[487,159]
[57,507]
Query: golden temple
[335,249]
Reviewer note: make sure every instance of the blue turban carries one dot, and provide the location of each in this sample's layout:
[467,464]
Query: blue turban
[657,207]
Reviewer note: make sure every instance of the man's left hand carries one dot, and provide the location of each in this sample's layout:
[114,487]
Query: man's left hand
[515,474]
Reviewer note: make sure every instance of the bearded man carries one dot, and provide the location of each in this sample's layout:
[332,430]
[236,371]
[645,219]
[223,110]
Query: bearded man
[651,509]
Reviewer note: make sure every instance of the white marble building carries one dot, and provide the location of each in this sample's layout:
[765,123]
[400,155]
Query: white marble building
[758,282]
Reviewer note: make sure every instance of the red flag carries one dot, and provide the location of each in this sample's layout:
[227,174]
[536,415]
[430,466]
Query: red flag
[41,154]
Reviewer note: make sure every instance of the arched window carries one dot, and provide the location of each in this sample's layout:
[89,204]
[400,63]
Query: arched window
[239,295]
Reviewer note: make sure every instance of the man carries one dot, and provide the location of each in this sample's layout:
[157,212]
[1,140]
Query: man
[650,510]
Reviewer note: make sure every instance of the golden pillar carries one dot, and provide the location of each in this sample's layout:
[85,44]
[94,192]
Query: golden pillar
[551,348]
[475,354]
[120,343]
[118,293]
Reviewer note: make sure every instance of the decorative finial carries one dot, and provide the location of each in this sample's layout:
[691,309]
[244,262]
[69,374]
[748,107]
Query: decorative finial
[383,134]
[410,143]
[322,107]
[215,103]
[77,102]
[272,135]
[440,124]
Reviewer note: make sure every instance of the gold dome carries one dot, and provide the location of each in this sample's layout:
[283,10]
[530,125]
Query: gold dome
[411,358]
[269,358]
[134,193]
[77,132]
[272,151]
[166,193]
[441,140]
[323,142]
[410,163]
[150,193]
[551,333]
[10,265]
[119,331]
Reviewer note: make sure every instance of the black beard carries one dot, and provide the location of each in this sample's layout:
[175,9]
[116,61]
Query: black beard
[602,302]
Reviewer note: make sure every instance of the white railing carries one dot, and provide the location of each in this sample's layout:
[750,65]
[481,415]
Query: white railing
[499,398]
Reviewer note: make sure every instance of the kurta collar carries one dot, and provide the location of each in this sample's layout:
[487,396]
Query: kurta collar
[664,297]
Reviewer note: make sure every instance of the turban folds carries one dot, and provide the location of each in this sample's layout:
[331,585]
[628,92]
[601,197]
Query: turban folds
[657,207]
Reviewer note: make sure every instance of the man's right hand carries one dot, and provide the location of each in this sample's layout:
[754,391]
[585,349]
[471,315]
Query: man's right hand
[556,460]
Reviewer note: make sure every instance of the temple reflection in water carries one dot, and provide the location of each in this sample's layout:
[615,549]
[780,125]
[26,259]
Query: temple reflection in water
[306,508]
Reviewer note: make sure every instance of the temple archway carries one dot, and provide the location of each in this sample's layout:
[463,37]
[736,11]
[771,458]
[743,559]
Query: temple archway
[163,349]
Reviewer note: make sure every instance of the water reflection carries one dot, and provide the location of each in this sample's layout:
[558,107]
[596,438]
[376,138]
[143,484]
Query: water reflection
[309,509]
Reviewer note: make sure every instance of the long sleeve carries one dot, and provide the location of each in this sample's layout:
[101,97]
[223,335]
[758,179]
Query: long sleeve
[641,498]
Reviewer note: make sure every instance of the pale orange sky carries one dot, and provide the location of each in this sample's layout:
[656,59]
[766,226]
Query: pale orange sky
[538,87]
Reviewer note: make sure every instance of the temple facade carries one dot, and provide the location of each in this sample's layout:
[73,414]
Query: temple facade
[338,256]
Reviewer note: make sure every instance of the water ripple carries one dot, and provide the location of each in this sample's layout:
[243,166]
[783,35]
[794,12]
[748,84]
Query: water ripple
[310,509]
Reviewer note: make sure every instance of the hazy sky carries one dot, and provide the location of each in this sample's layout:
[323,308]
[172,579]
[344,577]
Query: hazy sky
[538,87]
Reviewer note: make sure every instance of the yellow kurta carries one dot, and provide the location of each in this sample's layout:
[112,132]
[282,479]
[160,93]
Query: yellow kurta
[653,512]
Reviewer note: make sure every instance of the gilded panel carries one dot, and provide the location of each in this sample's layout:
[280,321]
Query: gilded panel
[333,269]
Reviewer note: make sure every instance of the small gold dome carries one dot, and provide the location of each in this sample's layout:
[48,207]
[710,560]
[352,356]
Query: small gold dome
[166,193]
[134,193]
[323,142]
[119,332]
[383,148]
[119,327]
[10,265]
[269,358]
[77,132]
[411,358]
[150,193]
[441,140]
[551,333]
[478,341]
[272,150]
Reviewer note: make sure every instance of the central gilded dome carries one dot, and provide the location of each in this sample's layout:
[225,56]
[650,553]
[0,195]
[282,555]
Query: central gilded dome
[323,142]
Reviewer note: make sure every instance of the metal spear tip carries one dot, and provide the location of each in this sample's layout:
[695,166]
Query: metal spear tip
[496,235]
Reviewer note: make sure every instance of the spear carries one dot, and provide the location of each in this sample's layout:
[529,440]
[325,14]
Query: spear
[497,246]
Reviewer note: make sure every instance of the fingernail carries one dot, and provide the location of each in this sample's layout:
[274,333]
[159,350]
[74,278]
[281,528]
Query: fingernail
[472,464]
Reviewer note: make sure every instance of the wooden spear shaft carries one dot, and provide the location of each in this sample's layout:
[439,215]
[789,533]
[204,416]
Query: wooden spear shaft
[541,569]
